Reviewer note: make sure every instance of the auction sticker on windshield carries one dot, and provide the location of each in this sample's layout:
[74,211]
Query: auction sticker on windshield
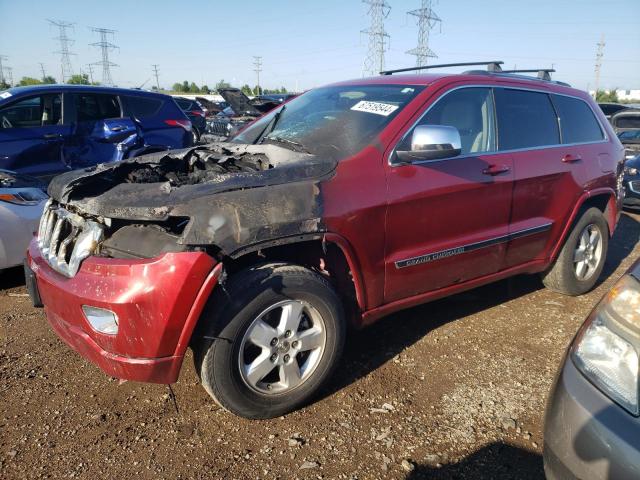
[4,95]
[384,109]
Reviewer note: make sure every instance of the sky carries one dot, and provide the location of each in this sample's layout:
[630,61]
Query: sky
[304,44]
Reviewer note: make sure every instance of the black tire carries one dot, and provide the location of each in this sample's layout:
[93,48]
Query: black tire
[230,313]
[562,276]
[196,135]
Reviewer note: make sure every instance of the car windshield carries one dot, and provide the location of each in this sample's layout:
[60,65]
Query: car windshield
[332,121]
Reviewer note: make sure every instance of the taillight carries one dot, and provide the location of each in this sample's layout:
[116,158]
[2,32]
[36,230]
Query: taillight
[200,113]
[186,124]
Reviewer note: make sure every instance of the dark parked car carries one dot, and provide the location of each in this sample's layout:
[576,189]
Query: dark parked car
[610,109]
[592,427]
[276,97]
[194,112]
[343,205]
[632,182]
[49,129]
[241,111]
[626,124]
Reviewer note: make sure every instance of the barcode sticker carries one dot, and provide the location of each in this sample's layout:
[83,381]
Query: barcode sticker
[384,109]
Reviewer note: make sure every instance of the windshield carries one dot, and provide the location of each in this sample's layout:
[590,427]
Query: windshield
[332,121]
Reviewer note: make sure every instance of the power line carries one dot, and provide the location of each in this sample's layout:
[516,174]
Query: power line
[155,73]
[64,52]
[378,37]
[427,19]
[44,75]
[105,46]
[257,64]
[599,55]
[90,68]
[2,67]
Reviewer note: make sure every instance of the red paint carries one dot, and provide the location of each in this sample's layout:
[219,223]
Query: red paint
[377,214]
[157,301]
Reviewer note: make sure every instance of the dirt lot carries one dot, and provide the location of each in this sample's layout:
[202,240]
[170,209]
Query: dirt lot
[452,389]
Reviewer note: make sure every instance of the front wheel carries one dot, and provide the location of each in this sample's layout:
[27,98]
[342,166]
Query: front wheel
[275,334]
[582,258]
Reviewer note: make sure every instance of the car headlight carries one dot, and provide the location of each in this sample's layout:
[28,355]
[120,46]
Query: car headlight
[606,348]
[31,196]
[631,170]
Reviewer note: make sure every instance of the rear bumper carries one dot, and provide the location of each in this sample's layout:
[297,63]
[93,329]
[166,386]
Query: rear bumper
[157,301]
[588,436]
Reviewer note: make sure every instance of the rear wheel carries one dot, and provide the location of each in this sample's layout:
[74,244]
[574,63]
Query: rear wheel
[582,258]
[279,331]
[195,133]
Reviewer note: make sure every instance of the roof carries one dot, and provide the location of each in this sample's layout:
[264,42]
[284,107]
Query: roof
[57,87]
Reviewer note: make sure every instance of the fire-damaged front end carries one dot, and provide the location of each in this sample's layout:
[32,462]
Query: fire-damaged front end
[127,254]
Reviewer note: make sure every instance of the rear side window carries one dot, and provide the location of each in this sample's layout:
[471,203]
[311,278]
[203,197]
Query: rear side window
[33,112]
[91,107]
[183,104]
[577,122]
[141,107]
[525,119]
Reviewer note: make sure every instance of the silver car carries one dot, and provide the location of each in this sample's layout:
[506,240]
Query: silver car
[21,203]
[592,427]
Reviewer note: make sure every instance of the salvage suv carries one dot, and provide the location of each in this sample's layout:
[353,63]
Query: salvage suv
[342,206]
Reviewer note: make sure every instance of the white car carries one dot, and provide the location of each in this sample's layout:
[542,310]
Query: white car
[21,203]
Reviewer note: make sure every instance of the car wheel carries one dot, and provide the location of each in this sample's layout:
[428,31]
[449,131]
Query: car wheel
[270,338]
[582,258]
[195,134]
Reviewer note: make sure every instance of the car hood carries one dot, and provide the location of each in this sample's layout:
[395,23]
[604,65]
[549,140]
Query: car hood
[219,188]
[239,102]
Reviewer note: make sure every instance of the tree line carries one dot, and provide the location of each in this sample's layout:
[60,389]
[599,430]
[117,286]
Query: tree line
[191,87]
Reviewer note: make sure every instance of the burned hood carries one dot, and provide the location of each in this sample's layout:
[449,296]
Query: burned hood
[232,195]
[239,102]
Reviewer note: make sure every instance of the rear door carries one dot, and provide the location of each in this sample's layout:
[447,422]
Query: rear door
[32,131]
[448,220]
[98,129]
[548,176]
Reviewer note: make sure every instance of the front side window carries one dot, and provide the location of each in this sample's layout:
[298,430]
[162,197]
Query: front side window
[336,121]
[470,110]
[33,112]
[525,119]
[577,122]
[93,107]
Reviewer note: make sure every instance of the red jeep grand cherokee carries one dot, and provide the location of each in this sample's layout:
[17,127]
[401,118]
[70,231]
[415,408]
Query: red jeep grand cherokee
[348,203]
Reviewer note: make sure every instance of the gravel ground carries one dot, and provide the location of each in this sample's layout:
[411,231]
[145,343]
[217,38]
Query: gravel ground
[455,388]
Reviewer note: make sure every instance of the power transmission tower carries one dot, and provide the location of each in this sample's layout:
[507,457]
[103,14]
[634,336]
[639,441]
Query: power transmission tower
[257,63]
[378,37]
[65,43]
[427,19]
[105,46]
[44,75]
[9,71]
[155,73]
[599,55]
[2,67]
[90,68]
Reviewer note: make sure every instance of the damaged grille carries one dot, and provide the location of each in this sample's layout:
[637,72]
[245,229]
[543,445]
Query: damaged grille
[65,239]
[219,127]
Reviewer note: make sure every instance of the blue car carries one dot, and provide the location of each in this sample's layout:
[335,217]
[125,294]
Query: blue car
[49,129]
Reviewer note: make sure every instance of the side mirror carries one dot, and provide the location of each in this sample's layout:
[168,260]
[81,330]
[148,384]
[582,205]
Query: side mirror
[431,142]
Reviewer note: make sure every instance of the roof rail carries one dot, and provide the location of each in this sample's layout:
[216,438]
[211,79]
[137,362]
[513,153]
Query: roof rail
[543,73]
[492,66]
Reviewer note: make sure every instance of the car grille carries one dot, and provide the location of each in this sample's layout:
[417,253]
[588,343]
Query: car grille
[66,239]
[218,127]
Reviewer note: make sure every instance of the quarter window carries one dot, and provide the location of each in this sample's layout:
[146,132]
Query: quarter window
[91,107]
[470,110]
[525,119]
[141,107]
[33,112]
[577,122]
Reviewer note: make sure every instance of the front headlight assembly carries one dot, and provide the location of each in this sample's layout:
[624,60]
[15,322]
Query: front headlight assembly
[606,348]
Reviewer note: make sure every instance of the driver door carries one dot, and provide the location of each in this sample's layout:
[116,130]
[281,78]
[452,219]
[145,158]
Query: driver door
[448,219]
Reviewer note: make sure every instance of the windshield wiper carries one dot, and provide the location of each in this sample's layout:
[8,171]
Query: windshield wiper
[276,118]
[285,142]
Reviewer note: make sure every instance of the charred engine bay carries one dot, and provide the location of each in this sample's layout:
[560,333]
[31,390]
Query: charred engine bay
[219,188]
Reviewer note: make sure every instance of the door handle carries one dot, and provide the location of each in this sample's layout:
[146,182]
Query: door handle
[496,169]
[51,136]
[571,158]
